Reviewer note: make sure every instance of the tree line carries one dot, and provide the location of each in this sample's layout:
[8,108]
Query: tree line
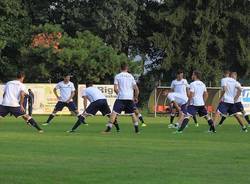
[97,35]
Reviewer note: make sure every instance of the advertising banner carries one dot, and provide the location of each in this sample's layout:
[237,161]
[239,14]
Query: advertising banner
[246,99]
[44,98]
[107,90]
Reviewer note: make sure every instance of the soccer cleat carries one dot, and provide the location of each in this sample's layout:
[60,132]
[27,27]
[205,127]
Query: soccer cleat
[45,124]
[177,132]
[176,125]
[40,131]
[211,131]
[71,131]
[197,124]
[143,124]
[85,124]
[171,126]
[244,129]
[138,133]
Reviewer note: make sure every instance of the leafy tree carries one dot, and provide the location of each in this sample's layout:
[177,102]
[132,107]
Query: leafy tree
[14,31]
[86,56]
[204,35]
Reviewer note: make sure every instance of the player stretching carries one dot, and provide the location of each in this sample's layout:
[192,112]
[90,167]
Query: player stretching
[238,105]
[13,97]
[181,86]
[67,92]
[127,91]
[230,101]
[179,102]
[98,102]
[197,98]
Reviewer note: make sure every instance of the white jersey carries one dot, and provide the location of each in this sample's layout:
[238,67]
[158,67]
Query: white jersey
[93,94]
[65,90]
[178,98]
[12,91]
[126,83]
[230,85]
[180,86]
[198,88]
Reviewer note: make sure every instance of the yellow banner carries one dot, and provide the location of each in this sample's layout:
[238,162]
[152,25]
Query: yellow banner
[44,98]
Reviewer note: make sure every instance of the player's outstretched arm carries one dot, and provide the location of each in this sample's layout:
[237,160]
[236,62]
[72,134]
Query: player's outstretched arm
[85,102]
[239,90]
[22,95]
[136,91]
[205,96]
[116,89]
[55,92]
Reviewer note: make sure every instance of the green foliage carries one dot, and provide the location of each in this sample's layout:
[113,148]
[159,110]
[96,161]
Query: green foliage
[86,56]
[194,34]
[206,35]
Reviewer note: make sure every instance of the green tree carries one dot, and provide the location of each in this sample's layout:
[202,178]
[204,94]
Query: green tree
[14,31]
[86,56]
[205,35]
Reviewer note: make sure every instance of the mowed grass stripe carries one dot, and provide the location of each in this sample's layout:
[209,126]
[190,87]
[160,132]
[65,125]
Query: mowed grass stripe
[154,156]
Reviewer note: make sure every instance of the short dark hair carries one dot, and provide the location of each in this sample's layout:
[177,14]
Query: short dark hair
[179,71]
[67,74]
[20,74]
[89,83]
[227,72]
[124,66]
[197,74]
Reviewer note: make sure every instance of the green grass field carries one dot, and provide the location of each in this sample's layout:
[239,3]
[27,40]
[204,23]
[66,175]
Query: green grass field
[155,156]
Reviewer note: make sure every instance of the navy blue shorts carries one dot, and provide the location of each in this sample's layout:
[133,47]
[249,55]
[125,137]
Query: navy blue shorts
[173,110]
[193,110]
[60,105]
[184,108]
[136,105]
[16,111]
[238,107]
[124,105]
[98,105]
[226,108]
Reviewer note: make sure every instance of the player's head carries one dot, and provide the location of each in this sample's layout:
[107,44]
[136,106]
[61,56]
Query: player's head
[29,90]
[179,74]
[233,75]
[124,67]
[20,76]
[66,78]
[89,84]
[196,75]
[226,73]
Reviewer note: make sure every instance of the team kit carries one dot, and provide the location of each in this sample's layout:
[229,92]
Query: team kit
[185,101]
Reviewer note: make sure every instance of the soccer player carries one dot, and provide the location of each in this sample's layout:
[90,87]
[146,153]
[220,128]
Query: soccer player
[67,92]
[98,102]
[29,99]
[127,91]
[13,97]
[179,102]
[197,98]
[231,101]
[179,85]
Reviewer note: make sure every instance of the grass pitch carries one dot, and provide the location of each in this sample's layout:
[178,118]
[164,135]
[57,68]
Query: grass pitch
[155,156]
